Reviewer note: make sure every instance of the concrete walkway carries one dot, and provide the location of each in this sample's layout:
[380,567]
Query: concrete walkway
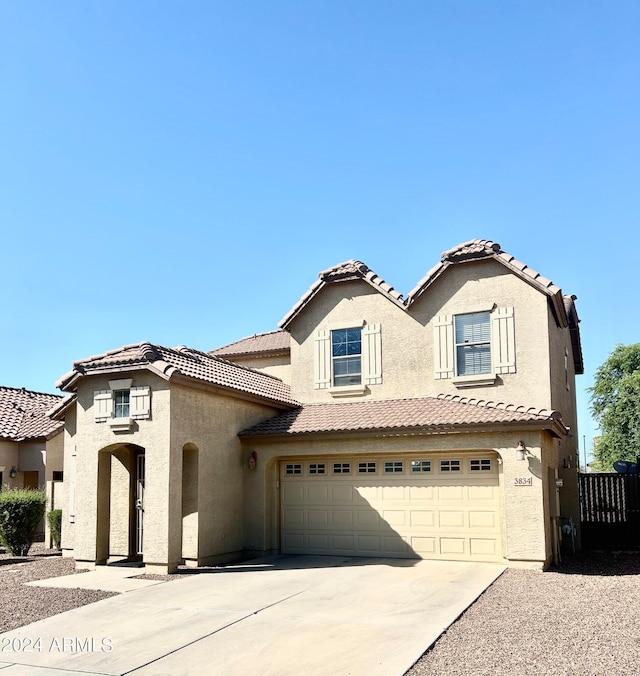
[273,616]
[119,579]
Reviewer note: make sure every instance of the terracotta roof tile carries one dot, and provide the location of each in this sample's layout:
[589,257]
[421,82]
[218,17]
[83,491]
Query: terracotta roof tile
[184,361]
[272,342]
[444,411]
[23,414]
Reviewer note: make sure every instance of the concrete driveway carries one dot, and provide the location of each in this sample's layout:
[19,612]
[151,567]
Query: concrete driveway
[274,616]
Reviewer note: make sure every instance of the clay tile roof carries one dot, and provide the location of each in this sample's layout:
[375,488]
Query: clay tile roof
[187,362]
[343,272]
[417,415]
[270,343]
[23,414]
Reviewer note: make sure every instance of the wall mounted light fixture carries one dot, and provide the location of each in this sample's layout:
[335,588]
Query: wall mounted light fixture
[13,473]
[521,451]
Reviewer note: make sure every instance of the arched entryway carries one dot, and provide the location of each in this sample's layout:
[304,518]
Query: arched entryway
[190,504]
[120,505]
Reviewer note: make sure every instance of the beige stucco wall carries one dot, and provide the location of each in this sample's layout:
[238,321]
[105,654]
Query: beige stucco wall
[210,423]
[407,337]
[525,516]
[9,454]
[84,440]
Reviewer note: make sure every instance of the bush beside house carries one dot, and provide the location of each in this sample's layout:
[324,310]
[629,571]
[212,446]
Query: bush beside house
[21,511]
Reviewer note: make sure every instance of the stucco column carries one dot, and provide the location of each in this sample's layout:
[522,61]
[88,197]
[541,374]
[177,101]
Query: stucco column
[86,505]
[162,508]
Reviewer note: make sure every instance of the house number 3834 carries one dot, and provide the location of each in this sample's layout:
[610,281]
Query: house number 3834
[523,481]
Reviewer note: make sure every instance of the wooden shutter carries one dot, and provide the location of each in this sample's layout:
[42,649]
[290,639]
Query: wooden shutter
[503,341]
[102,405]
[322,360]
[372,354]
[140,402]
[443,357]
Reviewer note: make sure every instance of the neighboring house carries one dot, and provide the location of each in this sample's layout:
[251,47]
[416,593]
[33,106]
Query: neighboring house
[31,444]
[439,425]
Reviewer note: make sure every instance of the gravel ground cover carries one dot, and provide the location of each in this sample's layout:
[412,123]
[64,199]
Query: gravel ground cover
[582,617]
[20,605]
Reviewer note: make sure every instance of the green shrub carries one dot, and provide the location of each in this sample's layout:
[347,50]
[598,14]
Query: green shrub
[21,510]
[54,517]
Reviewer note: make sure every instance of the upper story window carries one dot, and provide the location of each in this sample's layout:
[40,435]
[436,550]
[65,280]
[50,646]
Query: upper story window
[346,356]
[473,348]
[121,403]
[473,343]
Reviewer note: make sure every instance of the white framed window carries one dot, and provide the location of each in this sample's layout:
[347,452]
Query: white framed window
[473,343]
[317,468]
[366,468]
[472,348]
[348,357]
[420,465]
[293,468]
[121,403]
[341,468]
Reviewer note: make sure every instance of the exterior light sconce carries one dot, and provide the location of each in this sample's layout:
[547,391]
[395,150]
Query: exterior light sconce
[559,483]
[252,460]
[13,473]
[521,451]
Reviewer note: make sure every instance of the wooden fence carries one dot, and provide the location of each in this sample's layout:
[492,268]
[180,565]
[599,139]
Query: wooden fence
[610,511]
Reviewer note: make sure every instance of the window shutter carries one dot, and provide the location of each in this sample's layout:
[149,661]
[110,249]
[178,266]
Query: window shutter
[372,354]
[322,360]
[443,347]
[102,405]
[503,346]
[140,402]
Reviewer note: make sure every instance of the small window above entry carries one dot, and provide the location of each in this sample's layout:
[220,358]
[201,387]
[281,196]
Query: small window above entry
[122,404]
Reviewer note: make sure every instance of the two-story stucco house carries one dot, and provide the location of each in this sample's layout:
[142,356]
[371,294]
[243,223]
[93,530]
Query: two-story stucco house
[437,425]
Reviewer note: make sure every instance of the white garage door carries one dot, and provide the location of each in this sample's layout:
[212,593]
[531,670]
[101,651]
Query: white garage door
[430,507]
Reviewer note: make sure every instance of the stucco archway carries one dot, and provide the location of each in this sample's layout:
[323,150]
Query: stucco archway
[120,503]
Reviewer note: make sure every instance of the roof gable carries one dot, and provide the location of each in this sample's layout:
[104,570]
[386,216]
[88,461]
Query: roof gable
[348,271]
[23,414]
[479,249]
[169,363]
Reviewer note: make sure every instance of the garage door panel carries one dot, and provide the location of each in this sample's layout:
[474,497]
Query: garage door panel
[341,493]
[482,519]
[294,517]
[452,546]
[480,547]
[395,517]
[424,545]
[429,514]
[424,518]
[452,519]
[367,518]
[318,493]
[451,493]
[393,492]
[342,517]
[318,517]
[422,493]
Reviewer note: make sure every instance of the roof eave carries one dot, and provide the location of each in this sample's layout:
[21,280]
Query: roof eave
[214,388]
[554,426]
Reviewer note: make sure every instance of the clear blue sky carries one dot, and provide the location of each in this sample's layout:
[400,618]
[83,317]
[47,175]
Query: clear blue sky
[179,172]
